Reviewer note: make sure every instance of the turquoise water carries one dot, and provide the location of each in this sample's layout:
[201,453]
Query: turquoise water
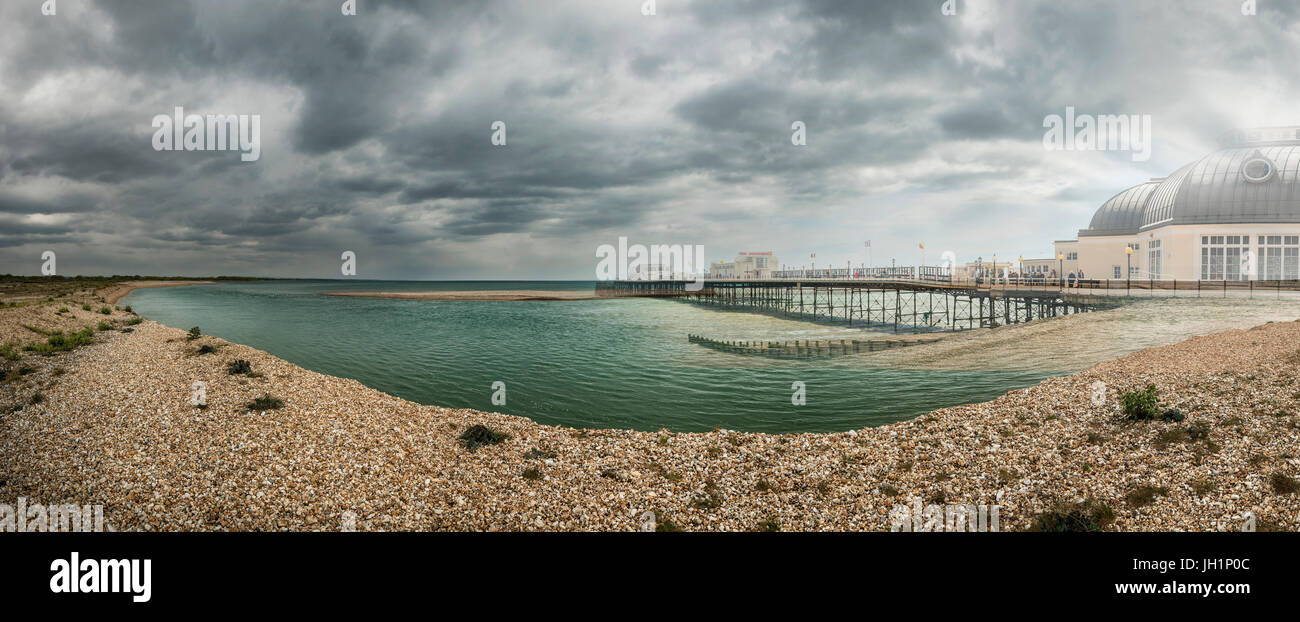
[606,363]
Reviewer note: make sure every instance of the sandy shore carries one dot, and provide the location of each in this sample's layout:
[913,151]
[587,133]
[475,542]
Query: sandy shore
[114,426]
[514,294]
[115,293]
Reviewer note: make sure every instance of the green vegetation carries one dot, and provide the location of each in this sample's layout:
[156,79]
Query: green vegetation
[711,499]
[1145,495]
[1090,515]
[195,333]
[266,402]
[62,310]
[239,366]
[135,320]
[769,525]
[9,351]
[62,343]
[532,474]
[889,491]
[105,310]
[36,398]
[667,526]
[1141,404]
[1202,487]
[103,325]
[85,307]
[206,349]
[537,454]
[479,435]
[764,486]
[1284,485]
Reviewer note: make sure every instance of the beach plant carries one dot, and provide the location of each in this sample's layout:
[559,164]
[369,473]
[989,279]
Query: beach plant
[9,351]
[266,402]
[63,310]
[195,333]
[1284,485]
[479,435]
[36,398]
[667,526]
[239,366]
[532,474]
[769,525]
[105,326]
[206,349]
[105,310]
[64,343]
[1144,495]
[1087,516]
[135,320]
[1141,404]
[85,307]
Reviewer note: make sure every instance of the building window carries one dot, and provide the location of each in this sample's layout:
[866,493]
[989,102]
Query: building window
[1117,272]
[1072,256]
[1222,256]
[1278,257]
[1154,267]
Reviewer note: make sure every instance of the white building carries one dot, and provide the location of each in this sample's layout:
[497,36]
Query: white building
[1233,214]
[745,266]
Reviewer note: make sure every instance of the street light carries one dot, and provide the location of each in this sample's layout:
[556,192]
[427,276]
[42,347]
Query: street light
[1060,267]
[1128,276]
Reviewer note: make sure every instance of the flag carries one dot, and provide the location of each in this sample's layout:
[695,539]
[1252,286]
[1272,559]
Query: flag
[868,243]
[922,245]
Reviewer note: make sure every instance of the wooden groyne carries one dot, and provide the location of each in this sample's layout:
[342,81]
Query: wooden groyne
[806,348]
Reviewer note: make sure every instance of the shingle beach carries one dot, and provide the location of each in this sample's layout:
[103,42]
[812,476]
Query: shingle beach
[114,425]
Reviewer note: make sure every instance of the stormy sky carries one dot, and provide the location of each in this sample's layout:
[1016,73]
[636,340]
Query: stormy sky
[671,128]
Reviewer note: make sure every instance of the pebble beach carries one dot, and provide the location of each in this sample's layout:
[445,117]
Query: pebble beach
[115,424]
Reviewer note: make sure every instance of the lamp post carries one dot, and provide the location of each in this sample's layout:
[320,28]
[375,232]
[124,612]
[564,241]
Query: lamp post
[1020,275]
[1128,275]
[1060,267]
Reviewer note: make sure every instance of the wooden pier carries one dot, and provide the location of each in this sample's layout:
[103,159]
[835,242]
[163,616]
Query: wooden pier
[896,304]
[807,348]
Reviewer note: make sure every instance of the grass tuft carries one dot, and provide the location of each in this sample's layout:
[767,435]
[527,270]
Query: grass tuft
[479,435]
[266,402]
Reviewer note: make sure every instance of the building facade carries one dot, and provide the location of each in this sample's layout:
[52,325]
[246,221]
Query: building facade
[1233,214]
[745,266]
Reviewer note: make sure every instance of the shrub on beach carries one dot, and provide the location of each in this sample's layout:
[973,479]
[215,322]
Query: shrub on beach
[239,367]
[478,435]
[135,320]
[105,310]
[1091,515]
[63,343]
[195,333]
[1141,404]
[1284,485]
[85,307]
[105,326]
[206,349]
[266,402]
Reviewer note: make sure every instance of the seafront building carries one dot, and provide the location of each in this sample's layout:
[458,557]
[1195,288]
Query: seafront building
[745,266]
[1233,214]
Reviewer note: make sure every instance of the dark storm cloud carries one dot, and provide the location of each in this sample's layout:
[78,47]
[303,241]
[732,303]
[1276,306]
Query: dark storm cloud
[376,128]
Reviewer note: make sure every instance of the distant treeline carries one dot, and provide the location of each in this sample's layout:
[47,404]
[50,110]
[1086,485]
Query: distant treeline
[18,278]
